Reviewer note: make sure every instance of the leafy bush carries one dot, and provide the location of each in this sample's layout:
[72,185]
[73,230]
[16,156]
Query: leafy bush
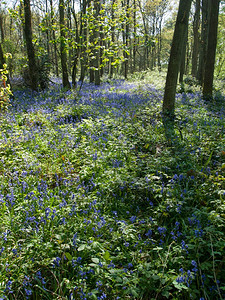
[5,90]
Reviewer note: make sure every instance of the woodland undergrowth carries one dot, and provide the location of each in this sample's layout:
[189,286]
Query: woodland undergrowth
[95,202]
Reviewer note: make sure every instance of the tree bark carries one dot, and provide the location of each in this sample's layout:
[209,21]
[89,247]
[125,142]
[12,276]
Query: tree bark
[33,71]
[211,50]
[65,79]
[97,43]
[175,58]
[54,39]
[134,36]
[195,50]
[83,34]
[92,49]
[204,39]
[1,28]
[111,67]
[183,57]
[126,35]
[76,50]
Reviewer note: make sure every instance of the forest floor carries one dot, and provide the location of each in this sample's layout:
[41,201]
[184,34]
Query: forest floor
[95,202]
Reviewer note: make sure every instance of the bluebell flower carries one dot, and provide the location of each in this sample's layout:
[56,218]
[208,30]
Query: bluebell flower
[179,206]
[1,251]
[149,233]
[14,251]
[56,261]
[8,287]
[98,283]
[194,264]
[184,246]
[130,265]
[162,230]
[175,177]
[28,292]
[126,244]
[111,265]
[79,259]
[133,218]
[75,239]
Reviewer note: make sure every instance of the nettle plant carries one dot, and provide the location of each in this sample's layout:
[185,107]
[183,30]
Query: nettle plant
[5,89]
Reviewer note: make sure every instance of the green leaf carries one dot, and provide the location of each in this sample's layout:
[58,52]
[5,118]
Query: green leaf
[95,260]
[209,159]
[68,256]
[82,247]
[92,265]
[106,255]
[166,294]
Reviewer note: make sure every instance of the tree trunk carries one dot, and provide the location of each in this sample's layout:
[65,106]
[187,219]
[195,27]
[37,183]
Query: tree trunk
[96,43]
[76,50]
[70,38]
[111,68]
[204,39]
[126,34]
[211,50]
[47,30]
[195,50]
[92,49]
[65,78]
[1,28]
[33,71]
[175,59]
[54,39]
[159,45]
[134,37]
[83,34]
[183,57]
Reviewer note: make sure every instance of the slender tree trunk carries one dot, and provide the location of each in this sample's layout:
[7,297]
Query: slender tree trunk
[76,50]
[175,59]
[1,28]
[126,34]
[54,39]
[70,37]
[65,79]
[83,34]
[127,38]
[33,71]
[111,68]
[159,45]
[47,29]
[92,48]
[183,57]
[102,46]
[134,37]
[97,43]
[74,70]
[153,49]
[2,59]
[195,50]
[204,39]
[211,50]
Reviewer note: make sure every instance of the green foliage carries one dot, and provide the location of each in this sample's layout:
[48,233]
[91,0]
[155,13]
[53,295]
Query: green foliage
[220,61]
[95,203]
[5,90]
